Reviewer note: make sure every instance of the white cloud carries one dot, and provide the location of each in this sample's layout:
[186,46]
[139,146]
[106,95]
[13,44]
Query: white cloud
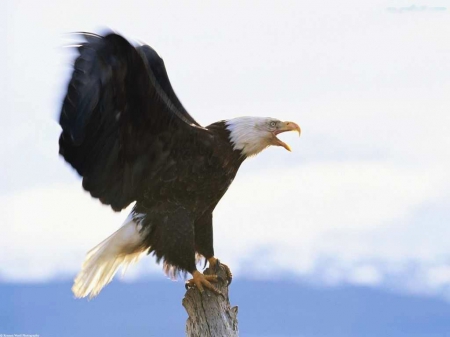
[439,276]
[328,219]
[365,275]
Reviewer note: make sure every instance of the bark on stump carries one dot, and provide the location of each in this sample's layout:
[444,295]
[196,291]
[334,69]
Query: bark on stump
[210,315]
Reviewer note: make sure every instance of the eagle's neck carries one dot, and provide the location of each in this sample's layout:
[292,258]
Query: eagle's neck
[245,136]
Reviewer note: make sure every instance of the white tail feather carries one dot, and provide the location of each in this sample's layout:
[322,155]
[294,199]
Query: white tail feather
[122,248]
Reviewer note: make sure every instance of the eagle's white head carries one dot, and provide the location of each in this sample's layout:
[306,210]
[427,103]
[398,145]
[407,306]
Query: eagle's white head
[251,135]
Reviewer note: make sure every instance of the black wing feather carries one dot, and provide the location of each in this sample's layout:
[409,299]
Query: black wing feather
[120,121]
[157,67]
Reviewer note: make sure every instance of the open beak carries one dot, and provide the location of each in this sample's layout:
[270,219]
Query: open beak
[284,127]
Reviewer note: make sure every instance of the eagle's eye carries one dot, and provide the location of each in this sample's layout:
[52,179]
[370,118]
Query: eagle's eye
[273,124]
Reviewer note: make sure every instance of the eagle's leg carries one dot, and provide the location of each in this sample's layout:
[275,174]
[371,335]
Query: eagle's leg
[215,265]
[200,280]
[204,244]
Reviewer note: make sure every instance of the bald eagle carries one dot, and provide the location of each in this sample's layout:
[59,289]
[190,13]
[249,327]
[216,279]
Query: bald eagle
[127,134]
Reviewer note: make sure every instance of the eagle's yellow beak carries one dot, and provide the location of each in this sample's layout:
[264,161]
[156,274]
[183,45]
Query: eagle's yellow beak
[284,127]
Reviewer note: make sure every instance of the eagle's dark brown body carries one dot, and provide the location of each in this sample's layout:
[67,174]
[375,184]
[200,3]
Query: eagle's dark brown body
[179,205]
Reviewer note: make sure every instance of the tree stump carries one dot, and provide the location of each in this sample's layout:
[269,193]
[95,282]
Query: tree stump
[210,315]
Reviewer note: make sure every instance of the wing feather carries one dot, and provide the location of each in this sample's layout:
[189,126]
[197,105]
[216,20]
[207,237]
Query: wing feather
[121,119]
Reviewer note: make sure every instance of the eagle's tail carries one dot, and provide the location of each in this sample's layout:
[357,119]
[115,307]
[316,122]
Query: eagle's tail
[122,248]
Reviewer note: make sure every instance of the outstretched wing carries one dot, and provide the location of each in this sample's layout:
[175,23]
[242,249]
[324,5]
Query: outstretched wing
[121,119]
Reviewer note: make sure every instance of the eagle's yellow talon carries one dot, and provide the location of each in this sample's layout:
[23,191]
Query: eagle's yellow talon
[199,280]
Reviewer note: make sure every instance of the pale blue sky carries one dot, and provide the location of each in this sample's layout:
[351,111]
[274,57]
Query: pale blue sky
[363,199]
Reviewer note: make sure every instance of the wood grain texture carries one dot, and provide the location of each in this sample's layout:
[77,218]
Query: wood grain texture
[210,315]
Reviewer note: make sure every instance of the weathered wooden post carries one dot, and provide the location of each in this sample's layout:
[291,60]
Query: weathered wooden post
[211,315]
